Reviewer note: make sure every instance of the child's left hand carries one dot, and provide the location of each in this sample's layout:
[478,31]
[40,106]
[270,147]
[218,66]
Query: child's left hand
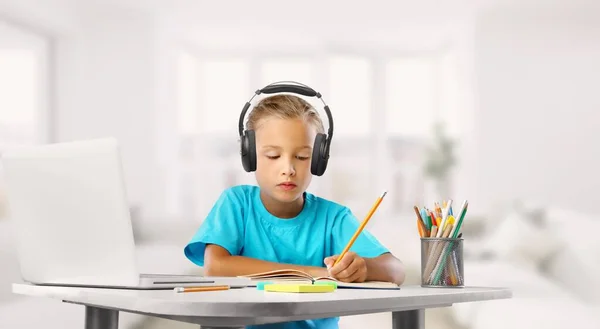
[352,268]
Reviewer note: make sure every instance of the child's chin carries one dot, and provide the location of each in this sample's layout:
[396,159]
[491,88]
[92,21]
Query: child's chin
[288,196]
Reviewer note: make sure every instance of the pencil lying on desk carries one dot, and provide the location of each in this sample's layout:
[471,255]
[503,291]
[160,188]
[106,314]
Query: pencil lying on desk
[199,289]
[360,228]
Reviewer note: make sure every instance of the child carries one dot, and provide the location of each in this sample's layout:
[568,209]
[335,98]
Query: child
[277,224]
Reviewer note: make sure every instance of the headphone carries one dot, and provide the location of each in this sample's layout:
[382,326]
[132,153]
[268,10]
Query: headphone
[320,153]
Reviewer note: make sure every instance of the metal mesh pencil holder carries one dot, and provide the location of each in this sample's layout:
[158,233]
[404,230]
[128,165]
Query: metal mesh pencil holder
[442,262]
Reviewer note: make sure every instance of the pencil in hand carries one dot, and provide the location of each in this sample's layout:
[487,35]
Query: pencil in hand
[360,228]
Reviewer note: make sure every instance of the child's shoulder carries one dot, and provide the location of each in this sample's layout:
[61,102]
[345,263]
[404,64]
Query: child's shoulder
[327,204]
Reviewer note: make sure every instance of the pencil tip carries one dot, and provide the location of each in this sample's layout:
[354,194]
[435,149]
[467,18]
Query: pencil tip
[384,193]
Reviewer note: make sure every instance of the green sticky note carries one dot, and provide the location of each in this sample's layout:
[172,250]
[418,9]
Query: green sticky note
[327,283]
[261,285]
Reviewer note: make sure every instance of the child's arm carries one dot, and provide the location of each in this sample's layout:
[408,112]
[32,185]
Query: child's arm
[218,262]
[385,268]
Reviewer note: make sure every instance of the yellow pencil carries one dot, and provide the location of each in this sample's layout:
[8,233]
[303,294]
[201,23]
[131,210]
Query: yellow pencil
[360,228]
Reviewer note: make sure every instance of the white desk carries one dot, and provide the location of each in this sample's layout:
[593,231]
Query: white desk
[239,307]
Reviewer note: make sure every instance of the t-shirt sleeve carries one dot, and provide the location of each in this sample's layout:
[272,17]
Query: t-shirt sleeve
[223,226]
[365,245]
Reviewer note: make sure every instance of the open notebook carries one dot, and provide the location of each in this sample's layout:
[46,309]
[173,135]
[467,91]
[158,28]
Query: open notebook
[296,276]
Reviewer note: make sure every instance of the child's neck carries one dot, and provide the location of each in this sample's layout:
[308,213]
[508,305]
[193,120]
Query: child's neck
[281,209]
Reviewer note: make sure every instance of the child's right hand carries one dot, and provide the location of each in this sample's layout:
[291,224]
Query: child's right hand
[352,268]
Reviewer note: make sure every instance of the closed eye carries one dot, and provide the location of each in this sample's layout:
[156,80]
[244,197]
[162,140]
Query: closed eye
[274,157]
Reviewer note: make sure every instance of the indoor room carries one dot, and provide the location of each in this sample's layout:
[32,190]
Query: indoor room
[490,101]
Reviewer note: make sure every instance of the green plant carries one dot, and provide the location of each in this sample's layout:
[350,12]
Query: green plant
[440,158]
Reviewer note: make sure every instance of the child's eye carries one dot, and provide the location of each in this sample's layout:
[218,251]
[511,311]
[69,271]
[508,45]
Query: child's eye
[272,157]
[302,158]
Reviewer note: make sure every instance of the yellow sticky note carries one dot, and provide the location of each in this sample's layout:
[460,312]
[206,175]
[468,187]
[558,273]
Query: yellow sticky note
[299,288]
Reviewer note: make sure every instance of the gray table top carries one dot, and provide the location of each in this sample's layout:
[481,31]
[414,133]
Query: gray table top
[238,307]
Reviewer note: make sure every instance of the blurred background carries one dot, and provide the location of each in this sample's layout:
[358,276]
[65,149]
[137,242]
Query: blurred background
[494,101]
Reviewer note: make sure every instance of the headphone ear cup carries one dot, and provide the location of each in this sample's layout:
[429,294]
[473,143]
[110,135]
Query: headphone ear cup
[320,155]
[248,151]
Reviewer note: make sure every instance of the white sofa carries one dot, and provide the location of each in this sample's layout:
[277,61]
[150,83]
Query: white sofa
[543,255]
[548,261]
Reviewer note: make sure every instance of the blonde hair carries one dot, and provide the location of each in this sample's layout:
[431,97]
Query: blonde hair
[285,107]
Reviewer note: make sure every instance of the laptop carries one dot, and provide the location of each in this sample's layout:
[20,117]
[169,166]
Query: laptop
[70,211]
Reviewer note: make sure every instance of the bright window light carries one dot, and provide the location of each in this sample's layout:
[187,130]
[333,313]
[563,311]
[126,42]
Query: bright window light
[224,89]
[410,96]
[187,94]
[451,110]
[350,95]
[19,97]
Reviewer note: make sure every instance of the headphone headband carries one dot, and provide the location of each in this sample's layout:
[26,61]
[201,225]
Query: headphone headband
[281,87]
[302,90]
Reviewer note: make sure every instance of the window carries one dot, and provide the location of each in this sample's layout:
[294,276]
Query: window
[416,92]
[411,96]
[350,81]
[210,94]
[23,87]
[24,100]
[451,112]
[18,85]
[224,88]
[187,91]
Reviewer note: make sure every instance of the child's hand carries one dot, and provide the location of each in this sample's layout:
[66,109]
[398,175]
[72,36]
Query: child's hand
[352,268]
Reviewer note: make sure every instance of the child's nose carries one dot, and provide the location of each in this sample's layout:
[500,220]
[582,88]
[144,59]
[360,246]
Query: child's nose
[288,169]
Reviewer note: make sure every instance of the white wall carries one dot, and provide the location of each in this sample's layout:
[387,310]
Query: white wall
[106,85]
[538,73]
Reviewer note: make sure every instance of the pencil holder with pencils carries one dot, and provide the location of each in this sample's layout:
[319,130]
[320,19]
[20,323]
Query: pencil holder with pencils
[442,262]
[441,245]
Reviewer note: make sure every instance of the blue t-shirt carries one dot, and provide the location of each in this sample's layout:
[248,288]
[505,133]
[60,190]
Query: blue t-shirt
[240,223]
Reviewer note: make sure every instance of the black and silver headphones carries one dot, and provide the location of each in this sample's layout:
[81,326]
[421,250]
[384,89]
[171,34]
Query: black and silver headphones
[320,154]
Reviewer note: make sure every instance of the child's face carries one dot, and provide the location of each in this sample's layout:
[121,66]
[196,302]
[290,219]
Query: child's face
[283,151]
